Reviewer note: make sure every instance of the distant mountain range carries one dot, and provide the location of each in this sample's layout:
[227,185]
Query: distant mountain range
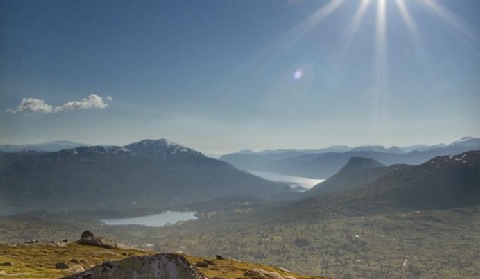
[154,173]
[144,174]
[364,186]
[323,163]
[51,146]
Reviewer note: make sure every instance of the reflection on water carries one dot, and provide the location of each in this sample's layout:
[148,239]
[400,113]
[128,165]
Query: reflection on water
[156,220]
[294,181]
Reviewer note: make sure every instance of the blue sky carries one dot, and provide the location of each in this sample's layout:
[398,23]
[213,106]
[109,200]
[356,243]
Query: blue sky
[220,76]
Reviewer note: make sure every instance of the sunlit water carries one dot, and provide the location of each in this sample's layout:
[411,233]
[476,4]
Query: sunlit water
[294,181]
[156,220]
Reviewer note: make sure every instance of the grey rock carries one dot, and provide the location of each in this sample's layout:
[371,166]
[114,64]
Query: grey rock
[87,234]
[201,264]
[171,266]
[209,262]
[89,239]
[61,265]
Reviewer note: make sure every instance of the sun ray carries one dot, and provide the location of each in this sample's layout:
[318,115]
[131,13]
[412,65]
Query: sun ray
[307,25]
[381,44]
[455,22]
[353,26]
[292,36]
[380,100]
[411,26]
[408,19]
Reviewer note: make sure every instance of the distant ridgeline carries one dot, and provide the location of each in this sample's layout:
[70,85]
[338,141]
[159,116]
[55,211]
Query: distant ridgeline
[364,186]
[154,173]
[142,174]
[51,146]
[323,163]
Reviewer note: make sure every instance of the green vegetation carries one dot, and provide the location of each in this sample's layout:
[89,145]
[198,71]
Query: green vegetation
[443,244]
[39,260]
[438,244]
[230,268]
[374,230]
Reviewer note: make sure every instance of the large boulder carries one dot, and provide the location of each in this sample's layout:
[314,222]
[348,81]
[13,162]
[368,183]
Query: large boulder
[171,266]
[88,238]
[86,234]
[61,265]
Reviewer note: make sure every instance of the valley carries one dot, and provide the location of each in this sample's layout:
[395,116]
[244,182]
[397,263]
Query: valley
[368,220]
[240,139]
[438,243]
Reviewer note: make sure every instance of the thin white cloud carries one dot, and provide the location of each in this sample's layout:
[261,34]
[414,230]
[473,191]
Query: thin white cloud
[32,105]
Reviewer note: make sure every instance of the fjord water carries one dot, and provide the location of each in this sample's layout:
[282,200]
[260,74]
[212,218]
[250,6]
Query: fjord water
[294,181]
[156,220]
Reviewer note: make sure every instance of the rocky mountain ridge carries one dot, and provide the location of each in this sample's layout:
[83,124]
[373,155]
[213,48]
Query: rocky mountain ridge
[143,174]
[441,183]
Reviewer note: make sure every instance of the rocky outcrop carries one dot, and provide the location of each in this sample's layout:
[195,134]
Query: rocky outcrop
[88,238]
[86,234]
[171,266]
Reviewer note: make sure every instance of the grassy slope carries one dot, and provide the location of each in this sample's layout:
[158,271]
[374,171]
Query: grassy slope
[38,261]
[235,269]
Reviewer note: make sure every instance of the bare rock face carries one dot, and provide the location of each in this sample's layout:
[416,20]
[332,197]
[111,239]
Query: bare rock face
[165,266]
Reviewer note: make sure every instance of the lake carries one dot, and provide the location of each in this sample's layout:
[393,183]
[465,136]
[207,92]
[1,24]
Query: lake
[156,220]
[294,181]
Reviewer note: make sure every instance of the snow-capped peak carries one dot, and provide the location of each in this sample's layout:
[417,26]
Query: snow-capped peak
[161,146]
[470,157]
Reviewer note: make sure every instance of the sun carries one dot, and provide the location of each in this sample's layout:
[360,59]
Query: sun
[381,7]
[383,13]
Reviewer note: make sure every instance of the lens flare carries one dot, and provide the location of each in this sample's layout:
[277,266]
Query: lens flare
[298,74]
[292,36]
